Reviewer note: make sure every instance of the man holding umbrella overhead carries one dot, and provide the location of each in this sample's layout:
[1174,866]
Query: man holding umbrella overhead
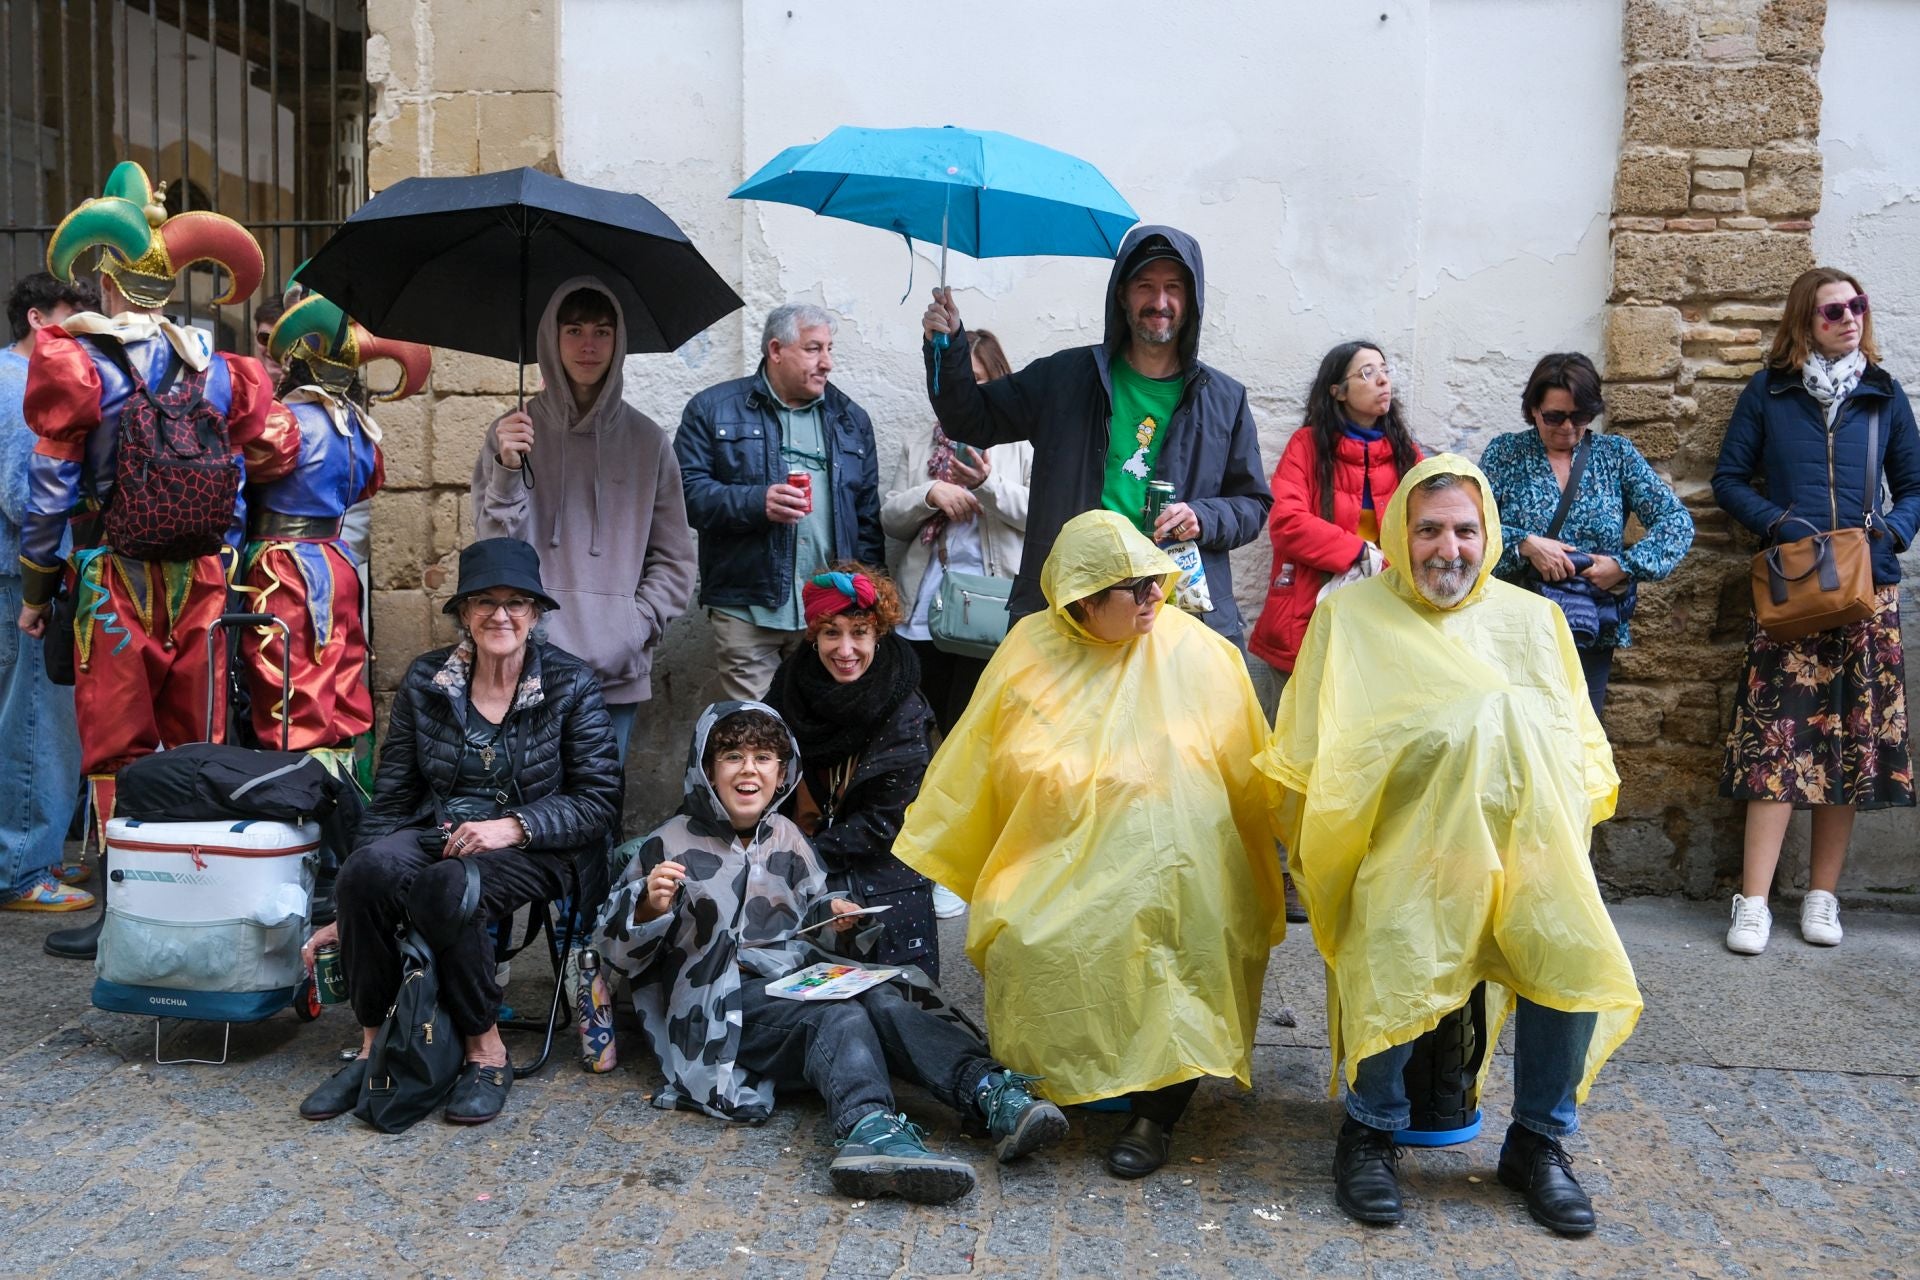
[1106,419]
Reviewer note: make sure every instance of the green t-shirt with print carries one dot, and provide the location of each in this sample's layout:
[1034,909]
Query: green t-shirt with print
[1141,409]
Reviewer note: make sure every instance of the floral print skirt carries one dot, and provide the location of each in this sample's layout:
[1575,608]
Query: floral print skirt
[1823,719]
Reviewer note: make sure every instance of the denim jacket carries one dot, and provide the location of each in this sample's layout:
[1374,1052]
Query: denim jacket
[729,451]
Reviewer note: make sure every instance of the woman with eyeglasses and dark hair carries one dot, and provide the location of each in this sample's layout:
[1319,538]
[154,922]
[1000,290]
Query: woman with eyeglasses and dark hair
[1819,722]
[1097,807]
[1565,491]
[1334,478]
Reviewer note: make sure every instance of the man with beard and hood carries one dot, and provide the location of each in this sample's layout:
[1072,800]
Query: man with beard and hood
[725,898]
[1105,420]
[606,515]
[1444,771]
[1098,807]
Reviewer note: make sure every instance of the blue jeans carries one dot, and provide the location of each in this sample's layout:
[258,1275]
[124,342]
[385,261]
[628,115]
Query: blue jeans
[39,753]
[622,714]
[1549,1057]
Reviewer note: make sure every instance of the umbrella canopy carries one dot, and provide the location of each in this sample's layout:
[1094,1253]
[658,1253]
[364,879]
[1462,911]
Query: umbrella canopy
[469,263]
[989,195]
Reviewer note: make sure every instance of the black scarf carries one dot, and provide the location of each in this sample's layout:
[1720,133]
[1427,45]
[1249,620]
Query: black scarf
[834,721]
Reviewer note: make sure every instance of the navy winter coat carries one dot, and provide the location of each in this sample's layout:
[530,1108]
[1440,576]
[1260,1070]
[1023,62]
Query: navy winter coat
[729,451]
[1063,403]
[1778,437]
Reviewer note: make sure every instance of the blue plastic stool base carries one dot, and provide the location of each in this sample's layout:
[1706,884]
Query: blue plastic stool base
[1439,1137]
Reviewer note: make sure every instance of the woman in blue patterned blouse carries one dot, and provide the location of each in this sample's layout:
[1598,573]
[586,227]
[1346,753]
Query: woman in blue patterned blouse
[1528,471]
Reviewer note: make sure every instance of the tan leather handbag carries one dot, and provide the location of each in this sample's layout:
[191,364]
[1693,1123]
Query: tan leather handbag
[1824,581]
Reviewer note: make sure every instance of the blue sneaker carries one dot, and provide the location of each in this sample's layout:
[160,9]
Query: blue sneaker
[884,1156]
[1018,1122]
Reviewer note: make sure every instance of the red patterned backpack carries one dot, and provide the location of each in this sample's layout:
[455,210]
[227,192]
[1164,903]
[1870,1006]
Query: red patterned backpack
[175,481]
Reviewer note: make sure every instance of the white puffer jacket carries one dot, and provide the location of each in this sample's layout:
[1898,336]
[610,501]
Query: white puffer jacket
[1003,512]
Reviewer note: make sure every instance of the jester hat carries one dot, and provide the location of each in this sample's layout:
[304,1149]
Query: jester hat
[336,347]
[143,249]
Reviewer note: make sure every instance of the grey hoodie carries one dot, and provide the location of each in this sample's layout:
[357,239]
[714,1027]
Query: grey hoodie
[606,515]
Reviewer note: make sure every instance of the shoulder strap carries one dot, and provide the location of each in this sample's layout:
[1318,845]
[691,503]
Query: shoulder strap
[116,351]
[470,896]
[1873,468]
[1567,495]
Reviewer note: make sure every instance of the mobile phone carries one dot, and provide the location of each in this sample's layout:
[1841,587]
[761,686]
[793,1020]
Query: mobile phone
[963,452]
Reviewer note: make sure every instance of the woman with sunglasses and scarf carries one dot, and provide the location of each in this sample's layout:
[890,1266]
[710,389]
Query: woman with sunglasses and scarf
[1098,808]
[1819,722]
[1531,471]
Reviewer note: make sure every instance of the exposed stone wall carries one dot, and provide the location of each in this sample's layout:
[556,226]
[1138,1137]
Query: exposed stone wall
[459,87]
[1719,179]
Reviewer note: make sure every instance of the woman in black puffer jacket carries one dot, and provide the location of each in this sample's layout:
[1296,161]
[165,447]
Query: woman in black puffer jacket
[852,698]
[499,750]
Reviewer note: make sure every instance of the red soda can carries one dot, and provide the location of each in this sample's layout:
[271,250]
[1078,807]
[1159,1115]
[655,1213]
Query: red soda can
[803,481]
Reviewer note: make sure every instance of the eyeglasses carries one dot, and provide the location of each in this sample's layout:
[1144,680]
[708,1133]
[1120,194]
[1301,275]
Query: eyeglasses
[1139,588]
[262,337]
[517,607]
[1832,311]
[1371,373]
[1560,417]
[743,757]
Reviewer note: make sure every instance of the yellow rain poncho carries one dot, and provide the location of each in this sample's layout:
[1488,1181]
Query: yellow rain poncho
[1098,807]
[1444,771]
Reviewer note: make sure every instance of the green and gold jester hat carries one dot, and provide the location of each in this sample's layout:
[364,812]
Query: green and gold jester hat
[143,249]
[336,347]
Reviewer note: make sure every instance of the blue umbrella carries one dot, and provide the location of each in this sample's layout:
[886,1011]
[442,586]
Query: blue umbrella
[989,195]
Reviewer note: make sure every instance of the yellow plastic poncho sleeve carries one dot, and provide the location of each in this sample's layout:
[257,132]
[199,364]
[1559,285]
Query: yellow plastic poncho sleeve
[1098,807]
[1444,771]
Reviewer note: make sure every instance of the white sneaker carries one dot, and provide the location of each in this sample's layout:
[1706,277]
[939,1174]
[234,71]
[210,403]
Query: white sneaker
[947,904]
[1752,922]
[1820,918]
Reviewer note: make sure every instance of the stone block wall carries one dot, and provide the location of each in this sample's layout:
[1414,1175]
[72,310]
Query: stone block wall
[1719,179]
[459,87]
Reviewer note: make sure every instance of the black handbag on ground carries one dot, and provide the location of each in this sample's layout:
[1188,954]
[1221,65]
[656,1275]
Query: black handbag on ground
[1589,609]
[417,1054]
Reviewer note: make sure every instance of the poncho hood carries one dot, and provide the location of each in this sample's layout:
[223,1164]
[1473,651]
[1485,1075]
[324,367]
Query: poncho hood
[701,802]
[1095,550]
[1393,530]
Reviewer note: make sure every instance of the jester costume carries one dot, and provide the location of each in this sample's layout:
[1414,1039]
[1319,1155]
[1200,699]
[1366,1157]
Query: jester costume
[140,634]
[324,456]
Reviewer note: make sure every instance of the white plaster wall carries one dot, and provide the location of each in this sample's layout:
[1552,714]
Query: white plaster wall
[1436,176]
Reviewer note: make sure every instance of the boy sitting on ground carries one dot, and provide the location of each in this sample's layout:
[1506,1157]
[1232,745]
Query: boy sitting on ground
[706,916]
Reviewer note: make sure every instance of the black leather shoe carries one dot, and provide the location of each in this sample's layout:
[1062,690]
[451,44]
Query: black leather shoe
[1538,1168]
[78,943]
[338,1094]
[1365,1182]
[1141,1148]
[480,1094]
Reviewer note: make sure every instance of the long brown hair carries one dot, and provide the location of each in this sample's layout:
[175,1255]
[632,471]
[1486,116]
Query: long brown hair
[992,356]
[1327,420]
[1793,341]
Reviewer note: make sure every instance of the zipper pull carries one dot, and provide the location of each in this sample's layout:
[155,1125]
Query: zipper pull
[427,1028]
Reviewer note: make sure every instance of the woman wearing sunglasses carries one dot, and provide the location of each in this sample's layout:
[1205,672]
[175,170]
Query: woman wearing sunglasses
[1098,808]
[1551,535]
[1819,722]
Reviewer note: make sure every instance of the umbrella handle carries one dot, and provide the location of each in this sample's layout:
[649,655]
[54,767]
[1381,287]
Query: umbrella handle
[940,344]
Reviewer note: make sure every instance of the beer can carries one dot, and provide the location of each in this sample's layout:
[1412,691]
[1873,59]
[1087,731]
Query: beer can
[803,481]
[329,976]
[1159,498]
[596,1014]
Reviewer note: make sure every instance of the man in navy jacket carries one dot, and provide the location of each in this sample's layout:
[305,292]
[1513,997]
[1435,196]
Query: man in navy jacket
[1105,419]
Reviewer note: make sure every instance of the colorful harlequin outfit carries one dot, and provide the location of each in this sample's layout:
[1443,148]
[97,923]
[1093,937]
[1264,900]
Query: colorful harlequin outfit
[141,670]
[323,456]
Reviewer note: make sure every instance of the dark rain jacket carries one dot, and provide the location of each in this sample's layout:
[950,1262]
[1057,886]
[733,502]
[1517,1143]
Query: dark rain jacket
[729,451]
[1778,436]
[557,731]
[1063,403]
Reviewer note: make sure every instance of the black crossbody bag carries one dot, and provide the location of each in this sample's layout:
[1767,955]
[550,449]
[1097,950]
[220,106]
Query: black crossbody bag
[1589,608]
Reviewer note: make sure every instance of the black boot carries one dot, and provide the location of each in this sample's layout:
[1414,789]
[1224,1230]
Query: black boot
[1538,1168]
[1141,1148]
[81,941]
[1365,1182]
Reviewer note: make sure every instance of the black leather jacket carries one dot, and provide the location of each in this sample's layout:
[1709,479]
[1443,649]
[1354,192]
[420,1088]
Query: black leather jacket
[557,732]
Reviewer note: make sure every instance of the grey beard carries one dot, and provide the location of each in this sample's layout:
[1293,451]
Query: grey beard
[1146,337]
[1446,582]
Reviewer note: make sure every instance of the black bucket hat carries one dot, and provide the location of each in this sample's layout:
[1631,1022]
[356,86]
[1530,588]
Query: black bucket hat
[499,562]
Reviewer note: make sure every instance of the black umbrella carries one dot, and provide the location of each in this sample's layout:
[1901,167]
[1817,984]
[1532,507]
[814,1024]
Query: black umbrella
[456,262]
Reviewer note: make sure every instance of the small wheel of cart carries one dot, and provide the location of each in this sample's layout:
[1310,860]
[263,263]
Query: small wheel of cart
[306,1000]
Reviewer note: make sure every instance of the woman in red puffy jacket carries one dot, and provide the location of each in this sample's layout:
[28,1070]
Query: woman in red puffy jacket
[1334,477]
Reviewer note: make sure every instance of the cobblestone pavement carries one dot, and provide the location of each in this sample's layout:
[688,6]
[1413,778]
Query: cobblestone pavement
[1763,1122]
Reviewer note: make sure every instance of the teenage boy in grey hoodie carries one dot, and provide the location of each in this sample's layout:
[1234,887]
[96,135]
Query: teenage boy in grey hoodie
[607,514]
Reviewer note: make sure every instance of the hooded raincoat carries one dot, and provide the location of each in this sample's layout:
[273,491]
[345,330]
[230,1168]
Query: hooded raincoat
[607,515]
[1444,771]
[1098,807]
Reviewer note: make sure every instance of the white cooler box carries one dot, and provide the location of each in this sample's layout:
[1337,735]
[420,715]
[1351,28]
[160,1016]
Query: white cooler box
[204,919]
